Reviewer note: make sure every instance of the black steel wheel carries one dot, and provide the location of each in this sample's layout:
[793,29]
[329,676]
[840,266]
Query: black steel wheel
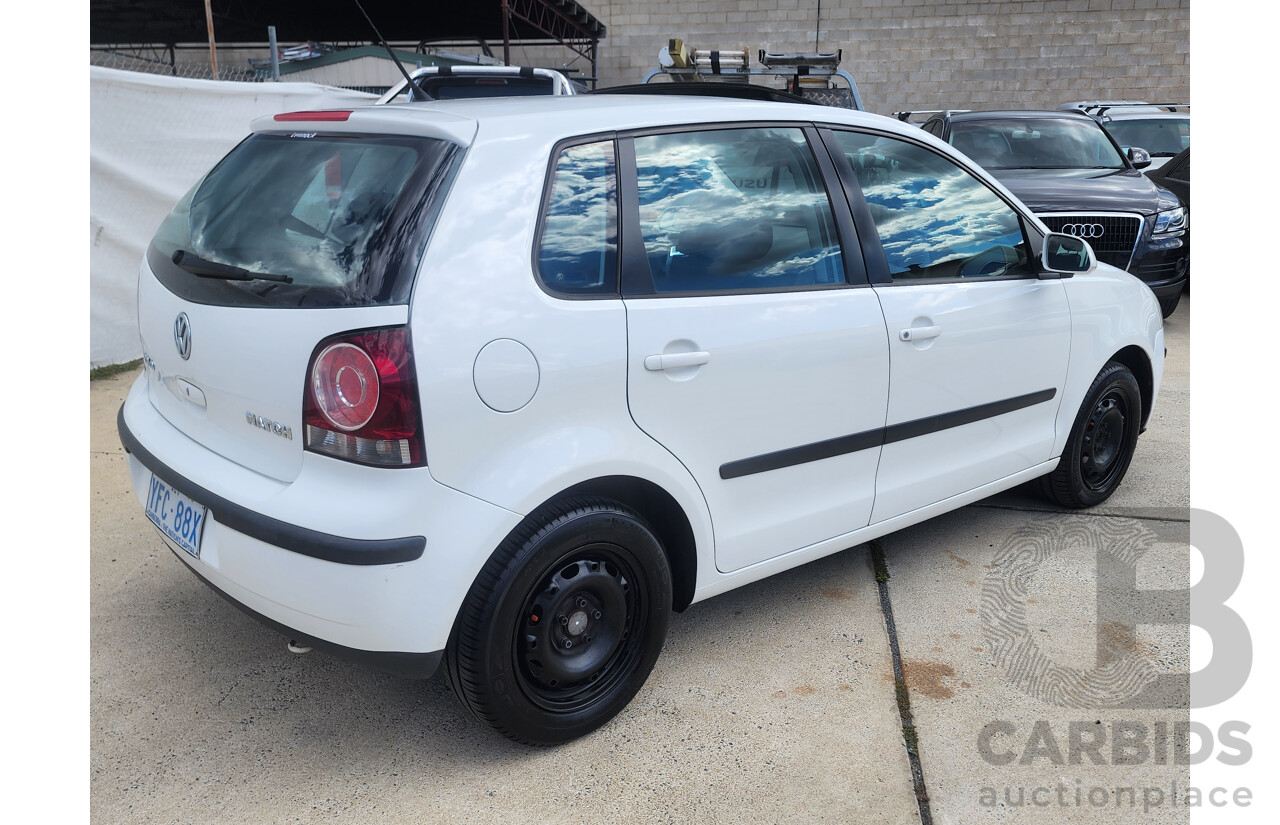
[563,624]
[1101,443]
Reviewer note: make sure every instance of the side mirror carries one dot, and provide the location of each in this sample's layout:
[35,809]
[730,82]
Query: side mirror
[1065,255]
[1140,158]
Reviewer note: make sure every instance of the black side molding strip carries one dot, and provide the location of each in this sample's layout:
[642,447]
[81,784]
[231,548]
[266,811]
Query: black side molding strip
[802,455]
[845,444]
[945,421]
[273,531]
[410,665]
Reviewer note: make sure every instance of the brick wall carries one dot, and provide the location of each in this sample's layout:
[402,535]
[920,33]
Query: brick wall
[930,54]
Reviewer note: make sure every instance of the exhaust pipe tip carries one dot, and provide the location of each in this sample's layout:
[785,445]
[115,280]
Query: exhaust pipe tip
[295,647]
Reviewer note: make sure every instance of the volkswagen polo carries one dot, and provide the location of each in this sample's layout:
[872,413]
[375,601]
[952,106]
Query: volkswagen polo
[502,384]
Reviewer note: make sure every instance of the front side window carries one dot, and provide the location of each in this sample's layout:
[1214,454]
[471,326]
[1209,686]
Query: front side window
[735,210]
[935,220]
[1036,143]
[577,252]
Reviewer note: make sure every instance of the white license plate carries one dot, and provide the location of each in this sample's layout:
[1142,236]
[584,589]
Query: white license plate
[177,516]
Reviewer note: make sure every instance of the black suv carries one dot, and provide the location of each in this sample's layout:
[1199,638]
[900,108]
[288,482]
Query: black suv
[1075,177]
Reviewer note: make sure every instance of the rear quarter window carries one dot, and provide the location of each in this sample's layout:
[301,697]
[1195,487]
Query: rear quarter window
[577,248]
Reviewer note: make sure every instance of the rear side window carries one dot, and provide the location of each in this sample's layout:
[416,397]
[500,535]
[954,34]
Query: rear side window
[735,210]
[578,249]
[342,218]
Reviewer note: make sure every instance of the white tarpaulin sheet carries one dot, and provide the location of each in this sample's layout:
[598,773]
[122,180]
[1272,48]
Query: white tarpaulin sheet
[151,138]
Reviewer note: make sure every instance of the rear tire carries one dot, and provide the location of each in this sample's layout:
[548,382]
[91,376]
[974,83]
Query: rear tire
[1102,441]
[563,624]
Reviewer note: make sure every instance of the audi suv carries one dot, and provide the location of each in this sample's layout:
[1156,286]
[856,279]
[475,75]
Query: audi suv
[1071,172]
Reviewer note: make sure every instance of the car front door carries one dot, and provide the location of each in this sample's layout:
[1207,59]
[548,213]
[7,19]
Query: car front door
[978,343]
[755,355]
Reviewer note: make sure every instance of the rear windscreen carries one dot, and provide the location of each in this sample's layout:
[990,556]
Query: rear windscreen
[306,220]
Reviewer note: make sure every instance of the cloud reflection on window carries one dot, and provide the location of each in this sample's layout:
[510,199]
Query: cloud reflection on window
[577,253]
[734,209]
[933,217]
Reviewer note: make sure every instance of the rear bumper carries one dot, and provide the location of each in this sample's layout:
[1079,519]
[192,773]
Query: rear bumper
[378,573]
[273,531]
[410,665]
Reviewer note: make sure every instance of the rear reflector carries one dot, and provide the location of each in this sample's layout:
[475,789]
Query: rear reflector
[314,116]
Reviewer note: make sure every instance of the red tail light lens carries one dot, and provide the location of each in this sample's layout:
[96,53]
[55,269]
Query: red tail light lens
[361,402]
[346,386]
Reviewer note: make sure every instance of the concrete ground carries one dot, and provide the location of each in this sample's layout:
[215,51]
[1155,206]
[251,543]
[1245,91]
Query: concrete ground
[777,702]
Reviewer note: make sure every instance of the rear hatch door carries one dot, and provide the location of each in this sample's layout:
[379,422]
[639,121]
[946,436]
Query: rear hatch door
[308,229]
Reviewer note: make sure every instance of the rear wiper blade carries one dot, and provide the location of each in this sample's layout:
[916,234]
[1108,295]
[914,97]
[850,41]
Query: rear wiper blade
[212,269]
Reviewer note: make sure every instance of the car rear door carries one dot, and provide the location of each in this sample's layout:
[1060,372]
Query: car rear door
[978,344]
[756,356]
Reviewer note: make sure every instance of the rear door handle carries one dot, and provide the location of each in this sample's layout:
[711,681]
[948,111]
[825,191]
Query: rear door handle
[676,360]
[919,333]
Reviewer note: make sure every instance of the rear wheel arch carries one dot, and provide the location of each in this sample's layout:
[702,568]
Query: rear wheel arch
[651,502]
[665,516]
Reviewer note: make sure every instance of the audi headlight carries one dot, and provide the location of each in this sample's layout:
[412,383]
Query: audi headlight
[1172,220]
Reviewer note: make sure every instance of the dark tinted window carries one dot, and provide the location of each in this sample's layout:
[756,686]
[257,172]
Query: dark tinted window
[344,217]
[577,253]
[935,220]
[1036,143]
[735,209]
[1162,137]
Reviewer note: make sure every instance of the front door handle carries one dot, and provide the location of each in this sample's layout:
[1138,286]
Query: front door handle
[676,360]
[919,333]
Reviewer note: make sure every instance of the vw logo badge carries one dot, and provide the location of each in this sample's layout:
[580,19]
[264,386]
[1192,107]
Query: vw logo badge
[1084,230]
[182,335]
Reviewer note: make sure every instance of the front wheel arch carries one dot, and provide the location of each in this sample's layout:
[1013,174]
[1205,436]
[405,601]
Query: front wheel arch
[1101,443]
[1139,363]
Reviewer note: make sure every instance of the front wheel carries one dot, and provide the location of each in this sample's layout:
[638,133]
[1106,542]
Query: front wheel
[1101,443]
[563,624]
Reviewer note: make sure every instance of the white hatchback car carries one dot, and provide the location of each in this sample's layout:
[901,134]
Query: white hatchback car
[503,383]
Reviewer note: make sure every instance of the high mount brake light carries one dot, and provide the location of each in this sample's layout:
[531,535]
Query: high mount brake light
[360,402]
[330,116]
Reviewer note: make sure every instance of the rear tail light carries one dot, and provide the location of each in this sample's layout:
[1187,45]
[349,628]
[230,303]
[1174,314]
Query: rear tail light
[360,402]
